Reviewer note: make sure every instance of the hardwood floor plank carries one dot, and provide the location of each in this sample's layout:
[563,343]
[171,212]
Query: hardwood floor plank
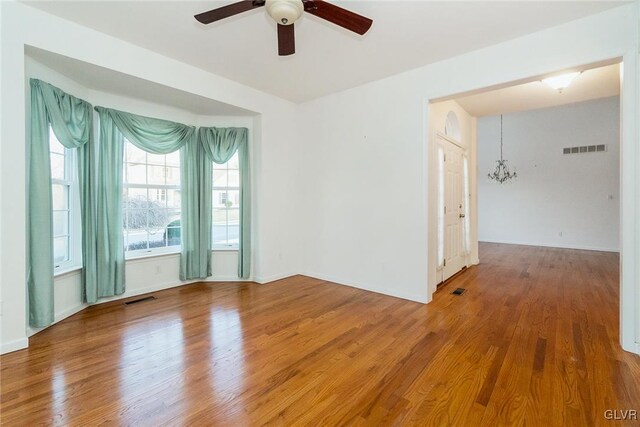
[533,341]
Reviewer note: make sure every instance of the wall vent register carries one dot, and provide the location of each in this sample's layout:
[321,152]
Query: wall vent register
[585,149]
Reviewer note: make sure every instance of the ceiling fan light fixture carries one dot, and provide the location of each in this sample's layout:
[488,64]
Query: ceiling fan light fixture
[285,12]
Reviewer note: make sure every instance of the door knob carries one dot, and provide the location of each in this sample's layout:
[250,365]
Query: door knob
[461,215]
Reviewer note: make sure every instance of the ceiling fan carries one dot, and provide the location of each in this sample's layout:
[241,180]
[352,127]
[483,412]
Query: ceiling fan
[286,12]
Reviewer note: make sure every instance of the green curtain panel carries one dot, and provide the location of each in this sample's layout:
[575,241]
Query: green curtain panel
[219,145]
[196,184]
[71,120]
[110,265]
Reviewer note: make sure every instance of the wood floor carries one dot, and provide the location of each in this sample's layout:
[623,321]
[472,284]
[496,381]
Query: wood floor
[533,341]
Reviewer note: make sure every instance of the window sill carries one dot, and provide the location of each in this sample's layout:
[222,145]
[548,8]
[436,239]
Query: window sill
[225,249]
[61,272]
[144,255]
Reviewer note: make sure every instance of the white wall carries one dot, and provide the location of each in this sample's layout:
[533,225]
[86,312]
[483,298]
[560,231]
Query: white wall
[275,244]
[569,201]
[372,140]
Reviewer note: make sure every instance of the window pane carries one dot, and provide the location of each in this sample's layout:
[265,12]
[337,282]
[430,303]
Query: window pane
[152,219]
[233,199]
[219,227]
[173,176]
[54,145]
[173,199]
[234,234]
[136,173]
[155,175]
[61,249]
[173,236]
[60,223]
[441,205]
[219,178]
[157,239]
[233,162]
[134,154]
[155,159]
[220,198]
[57,166]
[174,218]
[219,216]
[233,216]
[60,193]
[158,220]
[219,166]
[136,198]
[157,198]
[234,178]
[135,220]
[137,240]
[173,159]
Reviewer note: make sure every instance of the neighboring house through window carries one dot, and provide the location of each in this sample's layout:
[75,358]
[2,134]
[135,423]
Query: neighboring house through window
[226,204]
[65,206]
[151,201]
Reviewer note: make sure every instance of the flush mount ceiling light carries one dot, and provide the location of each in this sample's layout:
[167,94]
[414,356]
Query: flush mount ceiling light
[285,12]
[561,82]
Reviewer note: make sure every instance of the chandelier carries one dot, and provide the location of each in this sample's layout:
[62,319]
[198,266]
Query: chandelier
[502,174]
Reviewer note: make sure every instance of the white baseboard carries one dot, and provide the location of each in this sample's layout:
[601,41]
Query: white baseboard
[58,317]
[20,344]
[423,299]
[630,345]
[146,290]
[15,345]
[550,245]
[273,278]
[225,279]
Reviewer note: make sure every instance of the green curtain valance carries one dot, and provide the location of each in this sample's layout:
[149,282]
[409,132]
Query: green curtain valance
[156,136]
[220,144]
[71,118]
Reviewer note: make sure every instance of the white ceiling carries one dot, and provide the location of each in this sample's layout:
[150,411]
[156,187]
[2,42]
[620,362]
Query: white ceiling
[404,35]
[594,83]
[102,79]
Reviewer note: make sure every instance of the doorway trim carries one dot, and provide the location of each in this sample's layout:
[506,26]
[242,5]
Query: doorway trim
[440,140]
[629,185]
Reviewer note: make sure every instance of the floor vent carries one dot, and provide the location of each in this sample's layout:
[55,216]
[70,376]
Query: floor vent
[135,301]
[458,291]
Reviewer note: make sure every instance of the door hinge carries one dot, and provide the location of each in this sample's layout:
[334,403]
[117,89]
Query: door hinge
[445,209]
[445,262]
[445,158]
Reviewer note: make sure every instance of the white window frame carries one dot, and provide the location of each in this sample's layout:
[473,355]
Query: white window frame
[149,252]
[225,247]
[75,226]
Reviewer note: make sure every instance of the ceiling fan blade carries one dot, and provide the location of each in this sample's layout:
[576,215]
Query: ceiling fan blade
[339,16]
[228,10]
[286,40]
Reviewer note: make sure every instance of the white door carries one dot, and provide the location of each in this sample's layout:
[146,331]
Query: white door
[454,210]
